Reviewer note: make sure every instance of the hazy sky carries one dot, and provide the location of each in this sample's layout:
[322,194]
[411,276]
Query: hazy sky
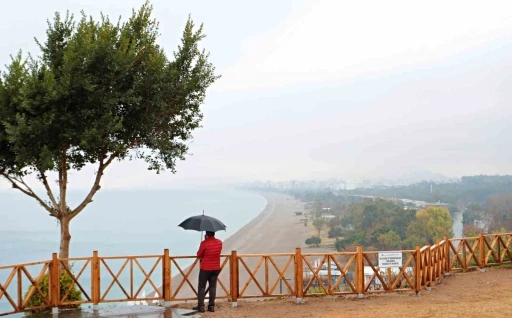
[327,88]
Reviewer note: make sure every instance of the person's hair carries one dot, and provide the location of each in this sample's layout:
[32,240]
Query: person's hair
[210,234]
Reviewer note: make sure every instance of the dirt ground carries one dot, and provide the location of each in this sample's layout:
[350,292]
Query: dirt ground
[473,294]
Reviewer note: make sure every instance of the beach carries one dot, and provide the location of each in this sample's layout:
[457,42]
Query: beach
[275,230]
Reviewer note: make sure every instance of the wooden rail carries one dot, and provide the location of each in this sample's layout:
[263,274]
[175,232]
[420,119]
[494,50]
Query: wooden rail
[168,278]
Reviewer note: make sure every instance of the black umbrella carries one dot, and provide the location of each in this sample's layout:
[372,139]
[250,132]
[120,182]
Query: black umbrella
[203,223]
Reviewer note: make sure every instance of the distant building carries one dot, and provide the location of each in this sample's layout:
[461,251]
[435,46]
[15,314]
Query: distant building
[354,184]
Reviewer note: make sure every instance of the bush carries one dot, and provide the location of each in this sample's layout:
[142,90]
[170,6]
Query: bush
[314,240]
[65,281]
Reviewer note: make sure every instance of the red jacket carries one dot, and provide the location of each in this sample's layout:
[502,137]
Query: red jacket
[209,253]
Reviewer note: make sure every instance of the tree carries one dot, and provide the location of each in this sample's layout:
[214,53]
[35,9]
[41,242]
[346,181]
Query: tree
[390,240]
[334,222]
[314,240]
[499,212]
[473,213]
[99,92]
[319,224]
[317,208]
[411,241]
[335,233]
[340,245]
[431,223]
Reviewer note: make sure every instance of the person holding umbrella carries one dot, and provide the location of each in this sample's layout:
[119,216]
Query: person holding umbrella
[209,257]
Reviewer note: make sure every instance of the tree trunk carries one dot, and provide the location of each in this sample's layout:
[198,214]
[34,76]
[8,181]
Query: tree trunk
[65,237]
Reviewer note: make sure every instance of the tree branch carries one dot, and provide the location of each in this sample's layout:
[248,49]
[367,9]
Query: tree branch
[96,186]
[49,191]
[27,190]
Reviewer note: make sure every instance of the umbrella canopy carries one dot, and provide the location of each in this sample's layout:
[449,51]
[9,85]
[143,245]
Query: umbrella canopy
[203,223]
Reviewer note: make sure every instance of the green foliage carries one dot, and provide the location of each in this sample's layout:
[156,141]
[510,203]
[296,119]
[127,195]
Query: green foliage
[391,240]
[340,245]
[334,222]
[99,91]
[350,240]
[98,88]
[431,223]
[319,224]
[335,233]
[499,212]
[382,225]
[411,241]
[101,88]
[314,240]
[474,211]
[377,224]
[369,222]
[317,208]
[65,282]
[469,190]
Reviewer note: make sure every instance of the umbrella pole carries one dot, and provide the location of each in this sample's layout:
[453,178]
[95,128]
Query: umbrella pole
[201,233]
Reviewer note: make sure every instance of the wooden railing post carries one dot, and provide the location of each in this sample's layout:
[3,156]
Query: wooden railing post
[95,281]
[447,259]
[266,275]
[166,278]
[19,279]
[417,270]
[481,252]
[55,284]
[429,267]
[359,271]
[299,276]
[464,243]
[233,278]
[438,263]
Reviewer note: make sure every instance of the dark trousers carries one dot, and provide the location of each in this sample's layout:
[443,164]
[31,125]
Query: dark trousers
[211,278]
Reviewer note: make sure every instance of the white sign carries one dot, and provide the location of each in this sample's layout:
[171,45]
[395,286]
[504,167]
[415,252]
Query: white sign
[390,259]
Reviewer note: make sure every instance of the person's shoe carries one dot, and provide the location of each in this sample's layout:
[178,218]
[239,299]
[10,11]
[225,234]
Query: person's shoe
[199,308]
[211,308]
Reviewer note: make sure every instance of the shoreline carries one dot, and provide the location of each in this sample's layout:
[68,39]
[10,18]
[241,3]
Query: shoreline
[229,240]
[276,218]
[274,230]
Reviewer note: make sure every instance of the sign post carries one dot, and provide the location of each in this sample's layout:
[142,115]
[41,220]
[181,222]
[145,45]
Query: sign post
[390,259]
[387,260]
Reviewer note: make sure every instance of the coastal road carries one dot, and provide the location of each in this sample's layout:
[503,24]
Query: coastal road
[457,224]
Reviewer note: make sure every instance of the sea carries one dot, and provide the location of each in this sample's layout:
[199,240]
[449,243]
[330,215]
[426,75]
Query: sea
[117,223]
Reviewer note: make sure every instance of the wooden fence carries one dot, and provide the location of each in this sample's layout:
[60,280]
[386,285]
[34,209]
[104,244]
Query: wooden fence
[102,279]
